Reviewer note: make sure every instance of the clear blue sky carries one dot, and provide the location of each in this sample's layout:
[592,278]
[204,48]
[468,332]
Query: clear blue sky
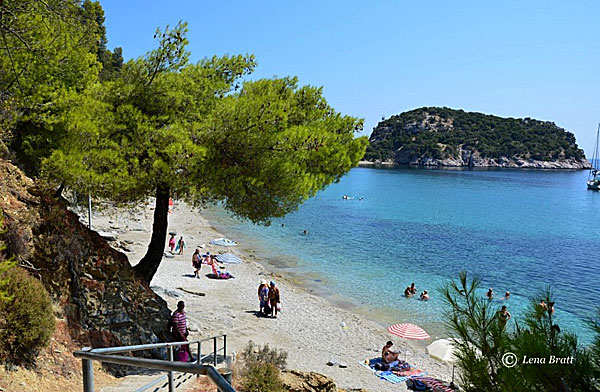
[513,58]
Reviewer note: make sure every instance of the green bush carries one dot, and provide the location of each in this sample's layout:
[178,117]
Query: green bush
[262,377]
[26,319]
[261,368]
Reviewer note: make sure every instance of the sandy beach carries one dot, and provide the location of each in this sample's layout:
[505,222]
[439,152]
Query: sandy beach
[311,329]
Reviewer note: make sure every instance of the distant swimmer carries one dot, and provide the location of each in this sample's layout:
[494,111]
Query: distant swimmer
[507,295]
[345,197]
[490,294]
[424,296]
[305,232]
[361,198]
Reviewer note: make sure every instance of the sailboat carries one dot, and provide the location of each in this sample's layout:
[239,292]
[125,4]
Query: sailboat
[593,181]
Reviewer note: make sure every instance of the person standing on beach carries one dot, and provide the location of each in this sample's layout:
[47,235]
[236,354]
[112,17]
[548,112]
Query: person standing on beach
[263,295]
[180,246]
[197,262]
[274,298]
[179,330]
[172,242]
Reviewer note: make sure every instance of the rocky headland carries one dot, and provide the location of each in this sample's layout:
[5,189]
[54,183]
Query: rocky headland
[455,138]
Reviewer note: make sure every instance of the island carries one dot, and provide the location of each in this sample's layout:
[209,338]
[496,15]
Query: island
[440,136]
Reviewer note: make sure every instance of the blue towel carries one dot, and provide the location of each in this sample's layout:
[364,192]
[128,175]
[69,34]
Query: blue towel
[391,377]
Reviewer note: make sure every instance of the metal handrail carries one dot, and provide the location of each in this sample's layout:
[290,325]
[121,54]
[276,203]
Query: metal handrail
[106,354]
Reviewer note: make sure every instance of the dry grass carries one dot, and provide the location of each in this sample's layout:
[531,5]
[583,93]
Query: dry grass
[56,369]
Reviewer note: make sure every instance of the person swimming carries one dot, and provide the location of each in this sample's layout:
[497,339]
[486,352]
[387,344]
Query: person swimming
[503,316]
[424,296]
[490,294]
[507,295]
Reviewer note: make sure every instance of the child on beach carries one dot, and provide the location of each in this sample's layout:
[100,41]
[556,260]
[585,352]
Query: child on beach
[172,242]
[180,246]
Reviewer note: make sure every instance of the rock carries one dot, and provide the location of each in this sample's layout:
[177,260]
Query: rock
[109,236]
[296,381]
[104,302]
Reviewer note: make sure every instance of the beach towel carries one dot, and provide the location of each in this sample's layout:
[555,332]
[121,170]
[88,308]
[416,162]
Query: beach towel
[399,373]
[391,377]
[435,384]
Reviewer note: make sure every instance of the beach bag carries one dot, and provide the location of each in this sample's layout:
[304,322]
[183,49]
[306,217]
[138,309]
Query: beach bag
[278,306]
[381,366]
[182,355]
[267,310]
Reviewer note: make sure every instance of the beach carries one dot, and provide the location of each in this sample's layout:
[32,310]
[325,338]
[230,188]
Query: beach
[311,329]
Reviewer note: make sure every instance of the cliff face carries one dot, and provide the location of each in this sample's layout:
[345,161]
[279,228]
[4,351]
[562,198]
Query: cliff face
[447,137]
[104,302]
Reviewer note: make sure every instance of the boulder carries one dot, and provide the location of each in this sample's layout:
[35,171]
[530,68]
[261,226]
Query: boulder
[297,381]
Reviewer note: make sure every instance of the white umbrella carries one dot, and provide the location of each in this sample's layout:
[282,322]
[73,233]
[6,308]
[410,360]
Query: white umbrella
[223,242]
[443,350]
[228,258]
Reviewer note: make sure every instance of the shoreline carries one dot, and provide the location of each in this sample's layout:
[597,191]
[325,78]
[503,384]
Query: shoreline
[229,306]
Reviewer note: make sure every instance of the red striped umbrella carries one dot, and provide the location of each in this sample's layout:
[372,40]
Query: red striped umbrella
[408,331]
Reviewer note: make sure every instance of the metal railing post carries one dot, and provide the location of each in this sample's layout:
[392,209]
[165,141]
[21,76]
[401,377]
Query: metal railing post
[225,350]
[88,375]
[170,358]
[215,351]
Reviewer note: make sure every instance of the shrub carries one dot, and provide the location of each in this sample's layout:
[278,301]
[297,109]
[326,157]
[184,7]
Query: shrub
[261,368]
[26,319]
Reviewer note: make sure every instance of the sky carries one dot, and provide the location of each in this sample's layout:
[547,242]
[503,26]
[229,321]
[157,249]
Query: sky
[374,59]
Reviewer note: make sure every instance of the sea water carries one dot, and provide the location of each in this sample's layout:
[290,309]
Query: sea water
[518,230]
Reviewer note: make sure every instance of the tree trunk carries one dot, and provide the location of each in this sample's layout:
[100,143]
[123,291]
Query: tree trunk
[148,265]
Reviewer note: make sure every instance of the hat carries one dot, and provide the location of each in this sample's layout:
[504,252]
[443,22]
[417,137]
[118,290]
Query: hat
[272,283]
[263,281]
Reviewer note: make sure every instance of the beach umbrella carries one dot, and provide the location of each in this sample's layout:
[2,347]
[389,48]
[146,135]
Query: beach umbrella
[408,331]
[223,242]
[445,350]
[228,258]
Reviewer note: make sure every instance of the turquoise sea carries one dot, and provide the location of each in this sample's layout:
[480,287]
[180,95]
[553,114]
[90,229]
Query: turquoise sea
[518,230]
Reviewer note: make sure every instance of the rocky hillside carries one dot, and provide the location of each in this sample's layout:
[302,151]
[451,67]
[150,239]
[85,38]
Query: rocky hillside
[448,137]
[104,303]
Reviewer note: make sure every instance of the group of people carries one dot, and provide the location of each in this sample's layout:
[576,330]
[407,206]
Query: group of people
[269,299]
[412,290]
[176,246]
[490,295]
[210,260]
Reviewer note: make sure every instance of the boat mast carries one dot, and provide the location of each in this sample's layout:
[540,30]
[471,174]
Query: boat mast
[594,170]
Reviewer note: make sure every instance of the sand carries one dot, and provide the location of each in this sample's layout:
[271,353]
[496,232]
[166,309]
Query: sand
[309,327]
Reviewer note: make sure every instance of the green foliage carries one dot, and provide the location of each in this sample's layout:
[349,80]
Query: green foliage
[26,320]
[273,145]
[482,342]
[264,354]
[5,266]
[47,54]
[262,367]
[440,132]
